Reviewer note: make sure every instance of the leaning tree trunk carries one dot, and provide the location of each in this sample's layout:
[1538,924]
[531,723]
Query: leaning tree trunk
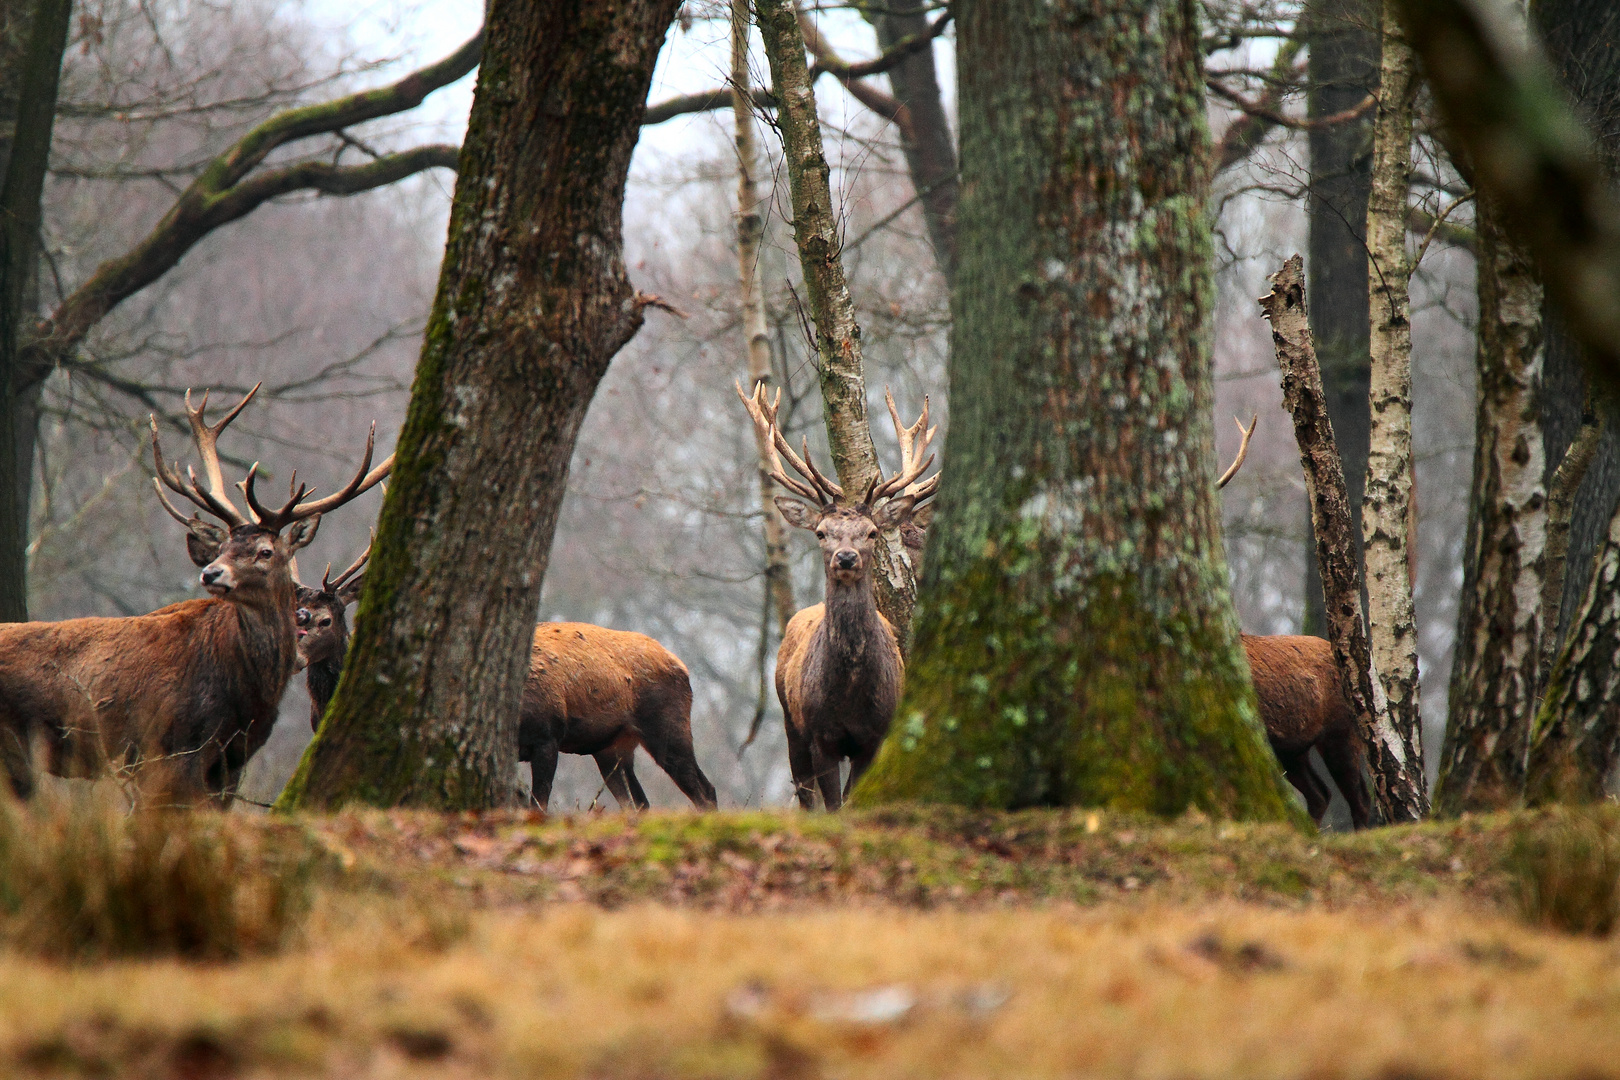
[1342,69]
[1075,640]
[1386,508]
[838,335]
[1495,677]
[532,304]
[31,45]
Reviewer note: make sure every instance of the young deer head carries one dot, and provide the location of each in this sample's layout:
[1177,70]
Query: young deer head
[323,627]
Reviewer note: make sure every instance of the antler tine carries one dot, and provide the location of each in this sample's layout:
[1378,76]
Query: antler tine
[274,520]
[206,438]
[832,492]
[225,510]
[1243,450]
[363,482]
[905,481]
[763,414]
[330,586]
[169,506]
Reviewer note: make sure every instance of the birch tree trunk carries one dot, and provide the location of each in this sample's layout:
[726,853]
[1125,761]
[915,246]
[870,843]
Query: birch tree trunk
[838,334]
[1495,677]
[532,304]
[1562,488]
[1076,642]
[1397,771]
[1386,506]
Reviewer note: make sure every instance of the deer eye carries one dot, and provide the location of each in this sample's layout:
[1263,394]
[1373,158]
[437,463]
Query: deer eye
[326,622]
[265,553]
[872,535]
[821,534]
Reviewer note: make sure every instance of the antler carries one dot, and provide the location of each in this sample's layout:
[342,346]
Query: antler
[1243,450]
[295,510]
[763,412]
[328,585]
[216,499]
[904,483]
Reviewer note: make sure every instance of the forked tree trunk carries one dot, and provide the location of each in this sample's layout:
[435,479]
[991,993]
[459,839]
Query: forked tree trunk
[1397,771]
[1342,69]
[838,334]
[1495,677]
[1386,507]
[32,41]
[532,304]
[1562,488]
[1075,639]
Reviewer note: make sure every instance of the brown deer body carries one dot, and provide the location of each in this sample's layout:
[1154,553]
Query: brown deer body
[839,671]
[602,693]
[1297,683]
[590,691]
[183,696]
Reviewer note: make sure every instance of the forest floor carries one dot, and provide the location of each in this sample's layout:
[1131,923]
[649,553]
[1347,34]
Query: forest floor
[879,944]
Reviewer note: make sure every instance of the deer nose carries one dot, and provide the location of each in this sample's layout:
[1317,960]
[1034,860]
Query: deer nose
[846,560]
[211,574]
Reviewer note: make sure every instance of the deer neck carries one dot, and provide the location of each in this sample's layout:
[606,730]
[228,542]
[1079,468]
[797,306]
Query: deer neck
[854,629]
[321,679]
[266,639]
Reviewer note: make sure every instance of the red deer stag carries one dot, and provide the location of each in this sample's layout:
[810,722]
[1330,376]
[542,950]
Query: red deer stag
[183,696]
[323,633]
[590,691]
[1302,705]
[839,671]
[604,692]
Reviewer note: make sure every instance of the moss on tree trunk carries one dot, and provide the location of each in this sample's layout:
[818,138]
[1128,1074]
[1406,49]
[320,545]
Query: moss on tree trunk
[1075,639]
[532,304]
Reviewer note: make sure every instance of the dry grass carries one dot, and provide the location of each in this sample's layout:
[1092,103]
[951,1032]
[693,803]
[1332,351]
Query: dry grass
[81,878]
[765,946]
[1566,868]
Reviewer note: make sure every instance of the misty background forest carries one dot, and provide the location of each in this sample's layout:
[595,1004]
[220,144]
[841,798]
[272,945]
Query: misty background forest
[324,299]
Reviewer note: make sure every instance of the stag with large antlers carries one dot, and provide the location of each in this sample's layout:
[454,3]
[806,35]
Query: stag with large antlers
[839,671]
[184,696]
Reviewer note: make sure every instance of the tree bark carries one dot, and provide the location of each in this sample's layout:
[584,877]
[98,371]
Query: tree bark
[1579,36]
[1495,677]
[533,303]
[1566,480]
[32,55]
[756,335]
[1576,739]
[1342,69]
[1396,768]
[1076,642]
[929,146]
[1387,507]
[838,334]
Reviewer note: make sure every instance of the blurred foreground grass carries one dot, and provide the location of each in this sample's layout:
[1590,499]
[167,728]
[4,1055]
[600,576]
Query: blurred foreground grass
[905,943]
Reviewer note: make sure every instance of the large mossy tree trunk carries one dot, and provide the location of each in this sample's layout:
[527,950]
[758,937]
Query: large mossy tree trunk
[1495,678]
[1075,639]
[533,303]
[32,41]
[1342,69]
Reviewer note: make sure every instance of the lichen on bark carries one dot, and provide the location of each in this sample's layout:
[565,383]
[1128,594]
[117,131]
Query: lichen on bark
[1075,641]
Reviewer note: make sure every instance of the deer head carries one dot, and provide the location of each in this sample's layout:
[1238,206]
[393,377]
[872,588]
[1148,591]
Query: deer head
[250,558]
[323,627]
[847,531]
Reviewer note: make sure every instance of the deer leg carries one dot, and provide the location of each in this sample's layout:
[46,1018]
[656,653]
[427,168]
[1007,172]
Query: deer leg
[857,768]
[16,759]
[799,763]
[615,765]
[1297,767]
[1341,753]
[826,771]
[542,759]
[670,747]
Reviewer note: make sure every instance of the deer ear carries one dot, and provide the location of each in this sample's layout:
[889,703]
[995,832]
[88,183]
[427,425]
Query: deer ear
[302,532]
[350,590]
[798,514]
[203,541]
[893,513]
